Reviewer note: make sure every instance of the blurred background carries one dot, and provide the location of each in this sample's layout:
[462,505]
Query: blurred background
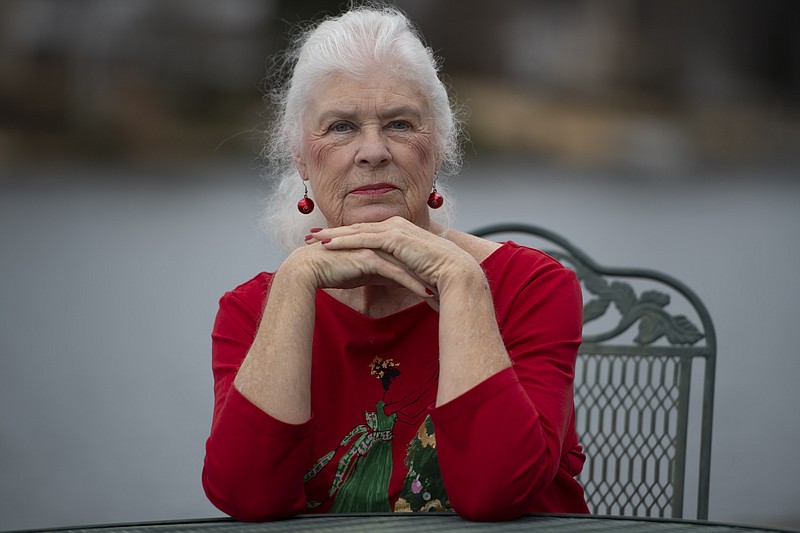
[654,134]
[629,83]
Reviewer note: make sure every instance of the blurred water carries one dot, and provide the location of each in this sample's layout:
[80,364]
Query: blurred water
[109,289]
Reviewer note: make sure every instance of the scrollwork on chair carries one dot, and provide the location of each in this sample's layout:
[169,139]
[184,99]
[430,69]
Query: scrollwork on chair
[632,395]
[648,309]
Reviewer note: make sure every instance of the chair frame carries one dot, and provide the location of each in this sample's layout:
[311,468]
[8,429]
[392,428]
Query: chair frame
[654,323]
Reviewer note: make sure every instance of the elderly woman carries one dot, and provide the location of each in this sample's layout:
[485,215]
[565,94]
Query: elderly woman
[390,363]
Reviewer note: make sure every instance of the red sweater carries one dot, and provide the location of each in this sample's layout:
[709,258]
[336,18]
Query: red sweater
[506,447]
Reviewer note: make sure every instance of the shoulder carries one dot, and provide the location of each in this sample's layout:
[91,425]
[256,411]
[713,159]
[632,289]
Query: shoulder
[512,257]
[250,295]
[514,269]
[501,259]
[477,247]
[526,282]
[240,310]
[510,264]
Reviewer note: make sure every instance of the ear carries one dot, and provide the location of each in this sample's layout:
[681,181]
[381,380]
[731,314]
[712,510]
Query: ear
[437,165]
[300,164]
[436,171]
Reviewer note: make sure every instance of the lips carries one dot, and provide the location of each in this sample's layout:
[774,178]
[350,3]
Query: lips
[374,189]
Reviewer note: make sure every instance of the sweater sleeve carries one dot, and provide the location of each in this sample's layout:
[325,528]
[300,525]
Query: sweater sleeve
[254,463]
[508,446]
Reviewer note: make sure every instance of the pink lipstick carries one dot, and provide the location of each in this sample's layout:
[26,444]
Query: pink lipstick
[374,189]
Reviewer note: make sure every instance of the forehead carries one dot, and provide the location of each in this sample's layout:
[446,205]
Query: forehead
[374,94]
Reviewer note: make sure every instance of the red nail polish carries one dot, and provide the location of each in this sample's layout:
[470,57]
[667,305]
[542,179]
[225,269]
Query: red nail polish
[314,230]
[325,241]
[309,237]
[428,291]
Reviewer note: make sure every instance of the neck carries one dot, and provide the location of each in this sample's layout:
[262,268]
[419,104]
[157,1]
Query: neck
[376,301]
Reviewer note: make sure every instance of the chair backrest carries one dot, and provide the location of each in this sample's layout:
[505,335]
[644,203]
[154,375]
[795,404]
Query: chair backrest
[632,382]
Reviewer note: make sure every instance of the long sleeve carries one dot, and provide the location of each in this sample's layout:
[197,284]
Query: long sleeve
[508,446]
[505,447]
[254,463]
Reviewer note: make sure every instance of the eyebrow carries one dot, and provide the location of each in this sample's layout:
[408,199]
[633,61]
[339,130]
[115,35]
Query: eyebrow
[337,113]
[350,114]
[400,111]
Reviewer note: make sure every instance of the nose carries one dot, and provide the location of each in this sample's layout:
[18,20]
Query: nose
[373,151]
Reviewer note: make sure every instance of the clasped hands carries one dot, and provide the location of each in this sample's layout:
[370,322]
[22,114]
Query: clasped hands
[379,253]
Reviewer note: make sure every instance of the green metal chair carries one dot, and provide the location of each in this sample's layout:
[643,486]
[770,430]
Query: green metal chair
[633,380]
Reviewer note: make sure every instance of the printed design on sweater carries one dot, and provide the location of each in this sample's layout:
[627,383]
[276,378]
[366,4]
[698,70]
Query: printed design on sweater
[361,482]
[363,471]
[423,490]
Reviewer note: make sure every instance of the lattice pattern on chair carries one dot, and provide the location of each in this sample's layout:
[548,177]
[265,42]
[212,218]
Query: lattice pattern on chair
[632,383]
[626,414]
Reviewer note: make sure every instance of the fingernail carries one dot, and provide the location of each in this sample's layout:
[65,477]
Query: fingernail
[428,291]
[314,230]
[309,237]
[325,241]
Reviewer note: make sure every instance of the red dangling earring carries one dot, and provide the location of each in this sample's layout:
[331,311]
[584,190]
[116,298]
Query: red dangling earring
[435,200]
[306,205]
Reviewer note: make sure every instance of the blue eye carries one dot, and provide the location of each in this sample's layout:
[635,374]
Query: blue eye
[340,127]
[399,125]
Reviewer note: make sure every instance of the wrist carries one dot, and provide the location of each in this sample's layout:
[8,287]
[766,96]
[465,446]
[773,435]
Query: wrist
[465,276]
[295,275]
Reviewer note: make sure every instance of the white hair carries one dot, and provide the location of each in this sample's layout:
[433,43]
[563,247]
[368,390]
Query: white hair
[351,44]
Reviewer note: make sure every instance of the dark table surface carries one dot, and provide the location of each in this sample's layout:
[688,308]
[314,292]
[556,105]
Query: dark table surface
[440,523]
